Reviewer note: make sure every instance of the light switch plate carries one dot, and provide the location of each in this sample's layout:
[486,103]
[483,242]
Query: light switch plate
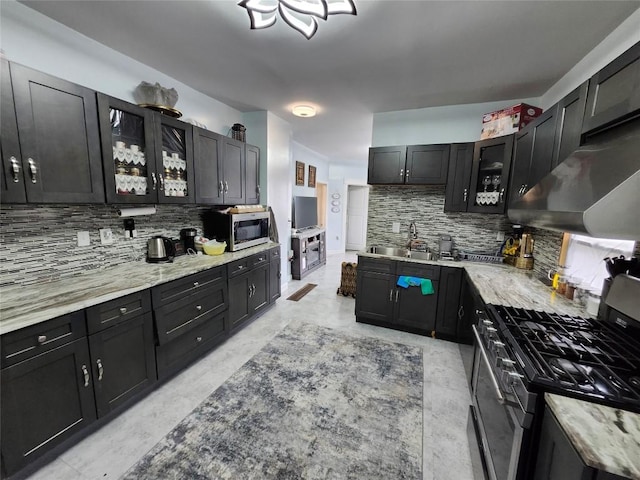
[83,239]
[500,237]
[106,236]
[395,227]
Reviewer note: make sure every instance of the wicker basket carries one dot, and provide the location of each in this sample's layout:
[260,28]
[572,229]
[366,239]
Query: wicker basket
[524,263]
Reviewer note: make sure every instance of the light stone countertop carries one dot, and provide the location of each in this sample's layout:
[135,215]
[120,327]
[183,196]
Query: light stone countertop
[309,232]
[606,438]
[502,284]
[22,306]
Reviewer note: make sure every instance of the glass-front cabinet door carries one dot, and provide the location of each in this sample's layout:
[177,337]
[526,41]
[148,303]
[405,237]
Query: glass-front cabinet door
[128,151]
[490,175]
[174,160]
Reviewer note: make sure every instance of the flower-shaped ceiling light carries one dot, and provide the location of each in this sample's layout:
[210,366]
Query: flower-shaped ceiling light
[302,15]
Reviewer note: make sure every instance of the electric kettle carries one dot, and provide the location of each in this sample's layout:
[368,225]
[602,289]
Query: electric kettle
[160,250]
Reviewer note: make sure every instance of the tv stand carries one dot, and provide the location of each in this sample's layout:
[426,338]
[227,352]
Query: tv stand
[309,252]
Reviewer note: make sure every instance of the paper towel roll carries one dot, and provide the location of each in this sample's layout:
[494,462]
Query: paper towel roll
[136,212]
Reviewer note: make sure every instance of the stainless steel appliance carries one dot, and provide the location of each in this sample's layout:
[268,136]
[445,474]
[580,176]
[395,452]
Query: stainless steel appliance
[521,354]
[239,230]
[160,250]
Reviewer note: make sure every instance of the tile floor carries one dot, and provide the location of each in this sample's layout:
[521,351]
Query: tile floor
[113,449]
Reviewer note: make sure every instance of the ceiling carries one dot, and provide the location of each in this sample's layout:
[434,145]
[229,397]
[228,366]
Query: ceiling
[394,55]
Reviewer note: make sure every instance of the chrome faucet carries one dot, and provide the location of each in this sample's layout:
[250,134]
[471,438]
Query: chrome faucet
[413,233]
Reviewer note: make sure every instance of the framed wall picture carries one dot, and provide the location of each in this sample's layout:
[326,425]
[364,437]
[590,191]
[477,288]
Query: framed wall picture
[312,176]
[300,173]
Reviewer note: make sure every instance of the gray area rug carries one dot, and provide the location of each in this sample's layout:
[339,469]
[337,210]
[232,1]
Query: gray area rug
[312,404]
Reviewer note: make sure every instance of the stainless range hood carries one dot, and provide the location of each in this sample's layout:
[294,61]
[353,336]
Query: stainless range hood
[595,191]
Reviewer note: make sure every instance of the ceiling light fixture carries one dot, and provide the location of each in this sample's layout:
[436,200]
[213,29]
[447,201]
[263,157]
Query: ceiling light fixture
[301,15]
[304,111]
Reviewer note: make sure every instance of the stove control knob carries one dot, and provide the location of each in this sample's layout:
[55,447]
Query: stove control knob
[507,362]
[491,330]
[498,344]
[488,323]
[514,377]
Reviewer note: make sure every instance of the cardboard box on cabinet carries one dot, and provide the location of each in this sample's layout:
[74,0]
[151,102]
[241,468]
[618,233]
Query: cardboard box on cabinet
[508,120]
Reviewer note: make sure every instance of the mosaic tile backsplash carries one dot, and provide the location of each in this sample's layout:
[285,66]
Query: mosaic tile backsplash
[471,232]
[38,243]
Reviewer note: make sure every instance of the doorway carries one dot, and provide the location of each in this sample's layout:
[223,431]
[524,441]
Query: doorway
[321,194]
[356,222]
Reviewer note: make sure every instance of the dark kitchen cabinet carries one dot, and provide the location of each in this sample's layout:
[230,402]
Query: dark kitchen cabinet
[569,124]
[458,177]
[128,151]
[252,188]
[59,138]
[385,303]
[121,344]
[190,317]
[470,301]
[386,165]
[449,306]
[233,171]
[275,274]
[490,175]
[45,400]
[249,291]
[173,147]
[409,165]
[614,92]
[533,153]
[427,164]
[207,153]
[12,188]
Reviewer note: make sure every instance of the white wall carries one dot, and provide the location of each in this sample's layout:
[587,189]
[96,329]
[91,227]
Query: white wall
[340,177]
[307,156]
[30,38]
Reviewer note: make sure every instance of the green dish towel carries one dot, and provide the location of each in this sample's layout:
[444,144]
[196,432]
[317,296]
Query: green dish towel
[425,284]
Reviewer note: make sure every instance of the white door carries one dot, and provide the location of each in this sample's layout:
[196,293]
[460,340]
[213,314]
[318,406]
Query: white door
[357,201]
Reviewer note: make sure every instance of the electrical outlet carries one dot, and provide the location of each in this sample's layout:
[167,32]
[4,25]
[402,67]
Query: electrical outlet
[500,237]
[106,236]
[83,239]
[395,227]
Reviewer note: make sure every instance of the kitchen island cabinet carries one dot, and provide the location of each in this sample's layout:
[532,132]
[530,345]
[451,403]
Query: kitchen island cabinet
[59,138]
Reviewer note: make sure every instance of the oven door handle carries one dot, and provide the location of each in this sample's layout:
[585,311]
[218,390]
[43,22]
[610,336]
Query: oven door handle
[494,380]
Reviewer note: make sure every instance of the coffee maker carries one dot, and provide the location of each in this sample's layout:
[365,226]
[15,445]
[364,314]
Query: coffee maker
[188,239]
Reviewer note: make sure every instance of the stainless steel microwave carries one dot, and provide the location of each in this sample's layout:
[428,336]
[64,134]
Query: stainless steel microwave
[239,230]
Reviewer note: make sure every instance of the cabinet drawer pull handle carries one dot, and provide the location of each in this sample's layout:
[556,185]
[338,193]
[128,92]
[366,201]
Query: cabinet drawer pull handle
[196,284]
[465,195]
[502,195]
[220,188]
[391,295]
[406,174]
[396,296]
[15,169]
[226,187]
[100,369]
[153,180]
[33,169]
[42,339]
[461,312]
[198,307]
[198,339]
[85,373]
[260,259]
[161,181]
[240,267]
[402,172]
[123,310]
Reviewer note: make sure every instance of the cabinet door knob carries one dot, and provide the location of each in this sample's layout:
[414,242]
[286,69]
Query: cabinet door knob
[153,180]
[260,259]
[465,195]
[198,339]
[196,284]
[15,169]
[33,168]
[198,307]
[42,339]
[240,267]
[161,181]
[406,174]
[402,172]
[226,187]
[100,369]
[85,374]
[460,312]
[502,195]
[220,188]
[123,310]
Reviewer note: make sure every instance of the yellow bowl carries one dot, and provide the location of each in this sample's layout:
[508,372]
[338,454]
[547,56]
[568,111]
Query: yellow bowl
[214,248]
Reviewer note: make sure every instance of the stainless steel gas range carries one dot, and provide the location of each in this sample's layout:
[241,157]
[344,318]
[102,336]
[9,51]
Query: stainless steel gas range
[521,354]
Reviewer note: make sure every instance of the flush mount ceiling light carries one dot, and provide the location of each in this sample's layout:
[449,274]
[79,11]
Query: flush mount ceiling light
[302,15]
[304,111]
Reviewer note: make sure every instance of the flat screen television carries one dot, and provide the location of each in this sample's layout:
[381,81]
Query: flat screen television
[305,212]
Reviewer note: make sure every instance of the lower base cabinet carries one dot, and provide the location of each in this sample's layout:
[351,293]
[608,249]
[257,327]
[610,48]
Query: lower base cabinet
[248,294]
[45,400]
[275,274]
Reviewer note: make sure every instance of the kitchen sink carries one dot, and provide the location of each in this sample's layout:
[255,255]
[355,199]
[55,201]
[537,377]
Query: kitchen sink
[389,251]
[422,255]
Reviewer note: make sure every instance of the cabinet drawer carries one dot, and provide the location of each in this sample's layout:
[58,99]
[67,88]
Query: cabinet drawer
[169,292]
[432,272]
[381,265]
[36,339]
[274,253]
[174,355]
[259,259]
[115,311]
[184,315]
[238,267]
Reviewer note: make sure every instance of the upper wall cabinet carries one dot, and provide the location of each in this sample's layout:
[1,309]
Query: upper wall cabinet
[207,154]
[458,177]
[12,178]
[614,92]
[233,171]
[409,165]
[490,175]
[59,138]
[569,124]
[252,175]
